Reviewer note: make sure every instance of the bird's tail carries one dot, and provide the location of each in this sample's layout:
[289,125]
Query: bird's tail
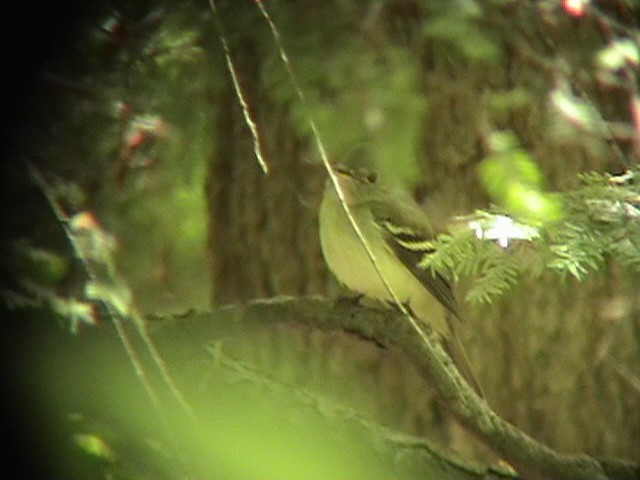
[455,350]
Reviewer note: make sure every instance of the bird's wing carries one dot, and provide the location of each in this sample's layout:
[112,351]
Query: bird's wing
[411,243]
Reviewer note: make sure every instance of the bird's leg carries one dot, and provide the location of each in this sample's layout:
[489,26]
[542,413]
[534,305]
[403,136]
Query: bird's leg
[349,298]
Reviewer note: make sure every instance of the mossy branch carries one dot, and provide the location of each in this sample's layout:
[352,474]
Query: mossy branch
[387,328]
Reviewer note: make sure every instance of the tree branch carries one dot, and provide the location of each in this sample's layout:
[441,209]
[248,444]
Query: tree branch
[387,328]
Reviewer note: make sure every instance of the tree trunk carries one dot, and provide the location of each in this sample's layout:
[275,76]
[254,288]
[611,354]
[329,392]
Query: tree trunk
[262,227]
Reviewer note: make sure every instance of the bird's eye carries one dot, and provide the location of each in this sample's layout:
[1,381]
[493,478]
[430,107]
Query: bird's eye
[372,177]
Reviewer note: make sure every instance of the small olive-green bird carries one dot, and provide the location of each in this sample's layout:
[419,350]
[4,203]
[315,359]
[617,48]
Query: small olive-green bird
[398,233]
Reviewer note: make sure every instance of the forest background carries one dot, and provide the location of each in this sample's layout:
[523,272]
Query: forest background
[126,117]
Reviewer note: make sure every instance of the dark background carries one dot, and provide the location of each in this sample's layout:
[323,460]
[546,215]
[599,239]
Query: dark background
[30,36]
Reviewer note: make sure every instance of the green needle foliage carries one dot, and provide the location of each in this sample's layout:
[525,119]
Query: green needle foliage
[601,224]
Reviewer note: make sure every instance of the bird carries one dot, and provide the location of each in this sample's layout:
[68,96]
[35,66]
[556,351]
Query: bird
[400,236]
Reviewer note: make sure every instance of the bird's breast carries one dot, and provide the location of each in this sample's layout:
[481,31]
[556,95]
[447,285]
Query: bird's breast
[348,260]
